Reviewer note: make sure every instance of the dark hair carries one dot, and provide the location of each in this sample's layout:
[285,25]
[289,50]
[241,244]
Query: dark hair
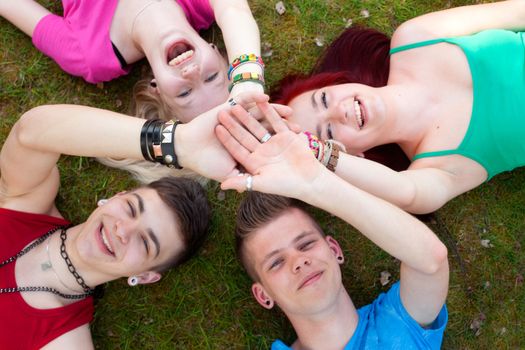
[189,204]
[256,211]
[358,55]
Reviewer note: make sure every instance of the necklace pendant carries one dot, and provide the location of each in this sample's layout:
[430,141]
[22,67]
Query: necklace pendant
[46,265]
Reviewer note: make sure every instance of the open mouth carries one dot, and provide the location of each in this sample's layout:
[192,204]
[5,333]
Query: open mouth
[105,240]
[359,114]
[180,52]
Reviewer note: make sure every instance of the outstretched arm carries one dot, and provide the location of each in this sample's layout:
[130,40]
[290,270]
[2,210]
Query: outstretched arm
[30,178]
[460,21]
[423,188]
[284,165]
[25,14]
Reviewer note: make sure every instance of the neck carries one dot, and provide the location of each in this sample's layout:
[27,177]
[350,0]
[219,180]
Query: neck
[329,329]
[56,268]
[153,20]
[408,122]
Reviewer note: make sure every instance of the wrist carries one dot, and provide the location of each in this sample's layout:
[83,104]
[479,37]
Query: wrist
[182,153]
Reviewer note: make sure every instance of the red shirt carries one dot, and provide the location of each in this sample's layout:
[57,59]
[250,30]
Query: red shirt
[23,326]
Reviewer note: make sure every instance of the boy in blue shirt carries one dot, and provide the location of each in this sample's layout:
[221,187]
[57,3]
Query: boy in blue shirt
[296,267]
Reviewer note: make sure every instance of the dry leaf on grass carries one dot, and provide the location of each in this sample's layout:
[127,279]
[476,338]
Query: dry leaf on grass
[486,243]
[279,7]
[385,278]
[477,323]
[364,13]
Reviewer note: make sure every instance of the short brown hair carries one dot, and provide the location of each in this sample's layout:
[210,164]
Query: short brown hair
[188,201]
[256,211]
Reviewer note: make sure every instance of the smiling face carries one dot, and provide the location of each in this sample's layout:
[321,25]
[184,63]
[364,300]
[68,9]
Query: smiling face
[191,77]
[297,268]
[132,233]
[352,114]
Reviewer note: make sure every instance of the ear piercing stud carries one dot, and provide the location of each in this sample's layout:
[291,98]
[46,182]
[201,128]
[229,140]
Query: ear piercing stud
[133,281]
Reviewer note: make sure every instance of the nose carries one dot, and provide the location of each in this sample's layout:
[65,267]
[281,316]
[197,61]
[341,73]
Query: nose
[337,113]
[300,262]
[124,230]
[190,71]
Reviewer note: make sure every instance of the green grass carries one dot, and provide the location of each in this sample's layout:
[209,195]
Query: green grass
[206,304]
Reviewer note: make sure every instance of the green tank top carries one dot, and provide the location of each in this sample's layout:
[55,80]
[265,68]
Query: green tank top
[495,137]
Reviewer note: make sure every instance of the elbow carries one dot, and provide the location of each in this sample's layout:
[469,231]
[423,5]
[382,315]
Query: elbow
[437,258]
[407,196]
[28,127]
[413,201]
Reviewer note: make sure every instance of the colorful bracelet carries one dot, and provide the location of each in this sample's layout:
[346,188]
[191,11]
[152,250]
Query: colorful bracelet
[313,143]
[242,59]
[246,76]
[157,142]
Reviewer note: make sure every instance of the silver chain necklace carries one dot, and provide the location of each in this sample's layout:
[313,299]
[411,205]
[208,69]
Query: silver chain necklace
[87,291]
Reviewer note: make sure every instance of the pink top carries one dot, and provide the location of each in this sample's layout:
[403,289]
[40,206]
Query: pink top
[79,41]
[21,325]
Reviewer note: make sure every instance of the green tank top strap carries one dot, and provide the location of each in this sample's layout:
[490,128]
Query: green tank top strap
[415,45]
[434,154]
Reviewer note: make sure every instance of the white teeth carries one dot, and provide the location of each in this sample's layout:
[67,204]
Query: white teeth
[358,115]
[183,56]
[105,240]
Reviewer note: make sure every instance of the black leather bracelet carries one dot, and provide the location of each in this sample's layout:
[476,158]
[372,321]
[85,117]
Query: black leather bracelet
[169,156]
[144,139]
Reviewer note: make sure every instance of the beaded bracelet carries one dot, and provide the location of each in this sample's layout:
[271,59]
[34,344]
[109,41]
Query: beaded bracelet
[246,76]
[313,143]
[242,59]
[157,142]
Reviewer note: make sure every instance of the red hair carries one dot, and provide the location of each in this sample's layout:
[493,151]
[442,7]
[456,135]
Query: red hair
[358,55]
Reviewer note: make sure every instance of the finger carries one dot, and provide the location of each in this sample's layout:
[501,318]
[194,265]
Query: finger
[243,136]
[250,123]
[273,117]
[283,110]
[236,150]
[238,183]
[293,126]
[246,98]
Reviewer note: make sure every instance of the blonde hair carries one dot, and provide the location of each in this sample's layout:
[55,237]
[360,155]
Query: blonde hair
[147,104]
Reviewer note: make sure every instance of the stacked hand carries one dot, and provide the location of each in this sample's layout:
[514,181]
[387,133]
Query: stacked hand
[197,147]
[282,164]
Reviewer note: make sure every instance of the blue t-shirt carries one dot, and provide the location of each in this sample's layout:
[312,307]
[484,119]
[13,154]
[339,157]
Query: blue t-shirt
[385,324]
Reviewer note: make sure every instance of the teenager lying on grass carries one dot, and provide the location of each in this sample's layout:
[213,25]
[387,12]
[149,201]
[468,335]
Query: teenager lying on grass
[448,89]
[49,266]
[296,267]
[99,40]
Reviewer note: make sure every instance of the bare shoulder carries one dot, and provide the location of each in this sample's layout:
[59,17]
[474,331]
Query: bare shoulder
[78,338]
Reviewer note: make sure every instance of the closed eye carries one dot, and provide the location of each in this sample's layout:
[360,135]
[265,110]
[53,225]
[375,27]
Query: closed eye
[329,132]
[145,241]
[276,263]
[185,93]
[323,100]
[132,211]
[306,245]
[211,77]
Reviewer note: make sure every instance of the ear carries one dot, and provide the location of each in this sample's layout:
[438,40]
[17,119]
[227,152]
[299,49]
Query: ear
[153,88]
[261,296]
[149,277]
[336,249]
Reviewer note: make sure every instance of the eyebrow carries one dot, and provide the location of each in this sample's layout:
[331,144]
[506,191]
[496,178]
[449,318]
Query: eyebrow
[151,234]
[295,240]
